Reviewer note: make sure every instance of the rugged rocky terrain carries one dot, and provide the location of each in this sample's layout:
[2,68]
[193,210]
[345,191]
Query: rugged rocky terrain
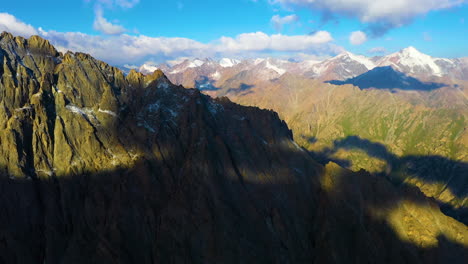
[99,167]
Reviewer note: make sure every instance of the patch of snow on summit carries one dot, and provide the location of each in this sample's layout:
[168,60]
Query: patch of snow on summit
[275,68]
[196,63]
[258,61]
[361,59]
[413,59]
[146,68]
[226,63]
[216,75]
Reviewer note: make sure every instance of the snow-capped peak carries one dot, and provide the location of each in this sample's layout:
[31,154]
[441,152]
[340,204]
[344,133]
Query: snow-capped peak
[308,64]
[147,68]
[275,68]
[311,62]
[226,62]
[411,52]
[258,61]
[216,75]
[195,63]
[358,58]
[412,61]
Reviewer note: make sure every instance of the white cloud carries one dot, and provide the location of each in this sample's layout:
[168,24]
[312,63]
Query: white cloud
[134,49]
[17,27]
[382,14]
[377,50]
[260,41]
[357,38]
[126,49]
[130,67]
[177,61]
[102,25]
[312,57]
[278,21]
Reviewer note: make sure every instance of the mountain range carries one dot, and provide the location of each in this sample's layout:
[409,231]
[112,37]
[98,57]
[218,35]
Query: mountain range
[98,166]
[344,66]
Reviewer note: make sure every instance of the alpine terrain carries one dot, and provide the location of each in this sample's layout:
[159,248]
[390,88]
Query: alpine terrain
[101,167]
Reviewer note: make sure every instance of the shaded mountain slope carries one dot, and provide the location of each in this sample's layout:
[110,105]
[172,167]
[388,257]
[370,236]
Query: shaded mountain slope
[98,167]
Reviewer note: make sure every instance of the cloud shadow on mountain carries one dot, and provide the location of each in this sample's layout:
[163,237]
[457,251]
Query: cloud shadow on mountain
[243,89]
[325,155]
[432,169]
[388,78]
[207,84]
[204,83]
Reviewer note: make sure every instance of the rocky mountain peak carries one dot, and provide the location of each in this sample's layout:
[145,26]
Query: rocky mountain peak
[411,51]
[6,35]
[40,45]
[227,62]
[156,75]
[147,68]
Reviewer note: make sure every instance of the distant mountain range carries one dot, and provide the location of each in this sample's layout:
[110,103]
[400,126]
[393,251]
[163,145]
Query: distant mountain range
[341,67]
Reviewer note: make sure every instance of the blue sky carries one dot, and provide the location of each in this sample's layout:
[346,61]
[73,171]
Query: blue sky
[134,31]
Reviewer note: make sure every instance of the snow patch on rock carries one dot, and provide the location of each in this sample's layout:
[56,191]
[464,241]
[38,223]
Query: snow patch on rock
[196,63]
[275,68]
[226,63]
[107,112]
[216,75]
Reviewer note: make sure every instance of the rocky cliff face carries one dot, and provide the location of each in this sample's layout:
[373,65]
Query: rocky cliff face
[98,167]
